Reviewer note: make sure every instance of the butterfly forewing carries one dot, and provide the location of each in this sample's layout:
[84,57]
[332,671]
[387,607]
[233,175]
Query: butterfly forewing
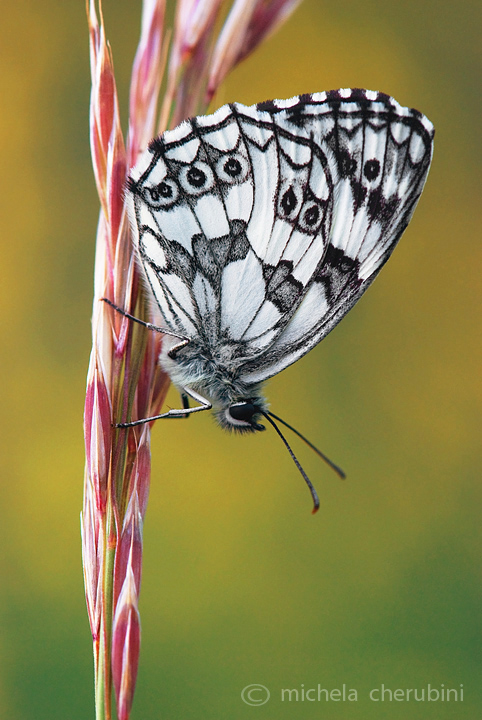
[259,227]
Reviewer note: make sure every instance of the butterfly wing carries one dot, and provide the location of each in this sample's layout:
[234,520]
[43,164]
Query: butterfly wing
[189,198]
[369,162]
[202,204]
[259,227]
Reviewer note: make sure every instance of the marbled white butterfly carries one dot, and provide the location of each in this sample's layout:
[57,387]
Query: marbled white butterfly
[258,228]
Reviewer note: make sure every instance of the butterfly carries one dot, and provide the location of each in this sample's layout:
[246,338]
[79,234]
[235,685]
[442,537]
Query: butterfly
[257,229]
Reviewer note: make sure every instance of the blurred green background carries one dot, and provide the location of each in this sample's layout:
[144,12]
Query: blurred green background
[241,584]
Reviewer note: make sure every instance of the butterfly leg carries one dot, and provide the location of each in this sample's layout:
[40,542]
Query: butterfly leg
[176,413]
[185,404]
[150,326]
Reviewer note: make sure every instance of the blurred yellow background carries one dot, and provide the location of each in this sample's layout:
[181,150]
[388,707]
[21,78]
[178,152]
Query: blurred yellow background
[241,584]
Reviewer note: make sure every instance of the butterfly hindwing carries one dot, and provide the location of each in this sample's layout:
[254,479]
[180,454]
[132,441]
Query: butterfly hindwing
[259,227]
[376,157]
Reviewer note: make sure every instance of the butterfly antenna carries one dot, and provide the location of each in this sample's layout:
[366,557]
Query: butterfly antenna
[314,494]
[329,462]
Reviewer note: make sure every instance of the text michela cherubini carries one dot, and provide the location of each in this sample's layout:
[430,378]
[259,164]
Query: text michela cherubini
[382,693]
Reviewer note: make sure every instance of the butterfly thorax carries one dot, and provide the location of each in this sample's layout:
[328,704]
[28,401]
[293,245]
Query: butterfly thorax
[213,372]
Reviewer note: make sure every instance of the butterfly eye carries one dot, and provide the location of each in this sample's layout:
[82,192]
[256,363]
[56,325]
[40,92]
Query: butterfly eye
[163,195]
[196,178]
[242,411]
[232,169]
[241,416]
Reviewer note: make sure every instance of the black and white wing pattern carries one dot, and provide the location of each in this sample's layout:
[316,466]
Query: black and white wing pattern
[259,227]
